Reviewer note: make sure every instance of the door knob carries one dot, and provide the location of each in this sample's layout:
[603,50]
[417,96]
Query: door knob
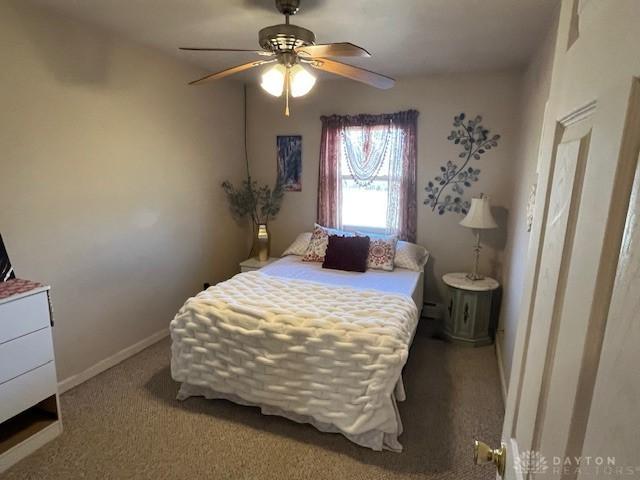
[483,453]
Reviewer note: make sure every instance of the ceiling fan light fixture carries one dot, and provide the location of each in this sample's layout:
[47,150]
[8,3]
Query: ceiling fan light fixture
[301,81]
[273,80]
[297,54]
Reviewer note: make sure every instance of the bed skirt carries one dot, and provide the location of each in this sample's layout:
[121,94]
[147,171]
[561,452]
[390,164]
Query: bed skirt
[374,439]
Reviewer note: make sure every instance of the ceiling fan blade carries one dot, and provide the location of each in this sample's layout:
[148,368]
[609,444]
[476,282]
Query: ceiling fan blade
[354,73]
[229,71]
[204,49]
[341,49]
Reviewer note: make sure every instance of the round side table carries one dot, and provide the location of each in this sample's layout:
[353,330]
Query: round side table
[470,309]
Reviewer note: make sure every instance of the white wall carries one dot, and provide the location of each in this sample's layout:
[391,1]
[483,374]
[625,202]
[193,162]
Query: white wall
[534,94]
[438,99]
[110,168]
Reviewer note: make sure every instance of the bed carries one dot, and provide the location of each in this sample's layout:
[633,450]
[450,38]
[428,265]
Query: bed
[316,346]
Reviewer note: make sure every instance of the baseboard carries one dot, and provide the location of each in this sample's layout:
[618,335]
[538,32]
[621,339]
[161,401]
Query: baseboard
[29,445]
[503,381]
[113,360]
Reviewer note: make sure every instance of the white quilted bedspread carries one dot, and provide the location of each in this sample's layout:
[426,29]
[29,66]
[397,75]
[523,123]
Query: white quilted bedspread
[331,353]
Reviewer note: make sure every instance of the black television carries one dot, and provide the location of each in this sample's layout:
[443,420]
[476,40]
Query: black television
[6,270]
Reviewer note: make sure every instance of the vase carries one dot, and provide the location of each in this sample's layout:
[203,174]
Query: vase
[262,242]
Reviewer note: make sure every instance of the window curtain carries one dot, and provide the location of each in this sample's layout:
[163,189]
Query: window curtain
[394,136]
[365,149]
[329,181]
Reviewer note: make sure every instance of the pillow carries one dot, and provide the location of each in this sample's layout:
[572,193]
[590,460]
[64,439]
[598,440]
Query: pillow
[347,253]
[382,251]
[318,244]
[410,256]
[299,245]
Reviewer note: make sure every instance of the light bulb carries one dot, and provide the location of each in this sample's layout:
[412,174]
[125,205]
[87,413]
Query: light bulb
[273,80]
[301,81]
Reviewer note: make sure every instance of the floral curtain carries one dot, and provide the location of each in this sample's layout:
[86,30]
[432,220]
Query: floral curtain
[392,136]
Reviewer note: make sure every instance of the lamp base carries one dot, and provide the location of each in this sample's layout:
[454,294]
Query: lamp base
[475,276]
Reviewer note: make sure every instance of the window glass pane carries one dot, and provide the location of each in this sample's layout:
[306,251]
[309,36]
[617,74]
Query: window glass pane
[364,206]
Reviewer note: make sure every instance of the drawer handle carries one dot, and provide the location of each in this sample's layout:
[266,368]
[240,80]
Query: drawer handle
[466,312]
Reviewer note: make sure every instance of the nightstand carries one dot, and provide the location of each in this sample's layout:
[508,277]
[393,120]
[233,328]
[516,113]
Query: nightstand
[253,263]
[470,309]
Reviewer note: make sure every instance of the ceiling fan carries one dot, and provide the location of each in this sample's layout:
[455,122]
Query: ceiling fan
[290,48]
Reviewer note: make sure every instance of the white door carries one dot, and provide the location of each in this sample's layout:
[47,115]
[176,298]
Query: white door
[574,394]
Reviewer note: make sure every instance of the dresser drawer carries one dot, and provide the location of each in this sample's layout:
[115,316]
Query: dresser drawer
[26,390]
[25,353]
[24,315]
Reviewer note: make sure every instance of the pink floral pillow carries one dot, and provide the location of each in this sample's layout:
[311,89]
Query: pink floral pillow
[318,244]
[382,251]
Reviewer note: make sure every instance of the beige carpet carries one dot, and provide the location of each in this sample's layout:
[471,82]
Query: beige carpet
[126,423]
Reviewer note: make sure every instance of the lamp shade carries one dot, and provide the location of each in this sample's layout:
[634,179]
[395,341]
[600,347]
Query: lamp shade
[479,215]
[301,81]
[273,80]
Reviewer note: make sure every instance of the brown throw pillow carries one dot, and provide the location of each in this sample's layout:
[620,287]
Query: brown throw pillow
[347,253]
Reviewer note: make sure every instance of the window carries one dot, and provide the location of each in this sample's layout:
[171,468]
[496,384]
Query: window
[364,203]
[367,175]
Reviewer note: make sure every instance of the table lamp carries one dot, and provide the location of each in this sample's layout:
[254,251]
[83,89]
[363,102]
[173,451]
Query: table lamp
[478,218]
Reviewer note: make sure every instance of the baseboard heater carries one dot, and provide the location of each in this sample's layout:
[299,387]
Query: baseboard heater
[432,310]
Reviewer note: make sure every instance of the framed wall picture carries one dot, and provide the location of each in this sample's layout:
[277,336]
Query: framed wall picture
[290,162]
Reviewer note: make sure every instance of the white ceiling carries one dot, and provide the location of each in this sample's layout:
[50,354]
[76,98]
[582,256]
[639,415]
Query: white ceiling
[405,37]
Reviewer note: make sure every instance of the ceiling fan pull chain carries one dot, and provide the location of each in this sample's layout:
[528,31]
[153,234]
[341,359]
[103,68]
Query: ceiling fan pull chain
[287,79]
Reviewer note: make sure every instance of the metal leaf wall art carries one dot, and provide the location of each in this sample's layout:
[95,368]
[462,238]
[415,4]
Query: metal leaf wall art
[445,192]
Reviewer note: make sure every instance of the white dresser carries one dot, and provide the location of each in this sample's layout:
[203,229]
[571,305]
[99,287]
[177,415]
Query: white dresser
[29,404]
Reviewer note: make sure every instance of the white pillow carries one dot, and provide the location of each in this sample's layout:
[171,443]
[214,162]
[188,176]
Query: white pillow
[299,245]
[410,256]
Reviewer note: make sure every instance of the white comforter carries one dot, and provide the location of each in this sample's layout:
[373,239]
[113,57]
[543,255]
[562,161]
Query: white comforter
[330,353]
